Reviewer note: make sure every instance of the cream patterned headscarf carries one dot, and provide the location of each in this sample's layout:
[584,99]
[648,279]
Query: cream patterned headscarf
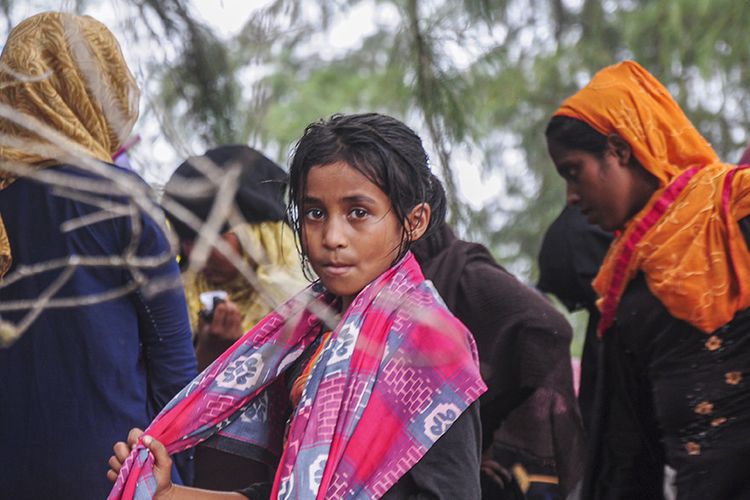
[65,72]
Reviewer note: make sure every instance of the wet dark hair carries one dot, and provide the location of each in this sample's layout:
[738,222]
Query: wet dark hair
[574,134]
[381,148]
[431,244]
[438,202]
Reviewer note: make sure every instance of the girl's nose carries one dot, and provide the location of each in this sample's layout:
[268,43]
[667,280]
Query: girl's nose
[334,234]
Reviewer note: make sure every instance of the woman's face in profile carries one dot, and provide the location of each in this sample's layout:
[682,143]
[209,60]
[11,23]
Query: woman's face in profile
[606,188]
[219,269]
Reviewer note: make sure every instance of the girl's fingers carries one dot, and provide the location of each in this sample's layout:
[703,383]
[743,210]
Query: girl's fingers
[121,450]
[115,464]
[161,457]
[133,436]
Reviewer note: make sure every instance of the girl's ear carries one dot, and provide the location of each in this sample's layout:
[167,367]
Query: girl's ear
[418,220]
[620,148]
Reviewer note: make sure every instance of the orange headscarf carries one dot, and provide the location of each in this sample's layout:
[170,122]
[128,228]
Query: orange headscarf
[63,73]
[686,239]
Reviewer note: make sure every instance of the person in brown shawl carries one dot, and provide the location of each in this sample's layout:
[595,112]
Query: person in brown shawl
[533,436]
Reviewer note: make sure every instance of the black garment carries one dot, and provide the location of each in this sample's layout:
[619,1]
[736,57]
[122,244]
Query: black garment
[448,471]
[571,255]
[671,394]
[524,352]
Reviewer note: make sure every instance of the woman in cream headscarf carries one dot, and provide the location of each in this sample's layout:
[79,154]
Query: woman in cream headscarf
[673,289]
[66,76]
[258,241]
[79,376]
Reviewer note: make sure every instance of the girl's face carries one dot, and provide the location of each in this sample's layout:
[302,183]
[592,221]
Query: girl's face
[350,232]
[607,188]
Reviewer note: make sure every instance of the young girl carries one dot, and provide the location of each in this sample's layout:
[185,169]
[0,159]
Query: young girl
[380,377]
[673,290]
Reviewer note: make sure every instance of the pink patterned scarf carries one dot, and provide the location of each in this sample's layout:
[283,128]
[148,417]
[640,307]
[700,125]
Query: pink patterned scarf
[397,371]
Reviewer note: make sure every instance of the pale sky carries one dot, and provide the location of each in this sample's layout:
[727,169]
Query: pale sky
[227,17]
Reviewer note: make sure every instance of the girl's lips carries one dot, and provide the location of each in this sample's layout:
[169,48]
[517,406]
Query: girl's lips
[336,269]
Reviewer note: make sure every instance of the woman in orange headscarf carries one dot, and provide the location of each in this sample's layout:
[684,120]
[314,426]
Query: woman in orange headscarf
[673,289]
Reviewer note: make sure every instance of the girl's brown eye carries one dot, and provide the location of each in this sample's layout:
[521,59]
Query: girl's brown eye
[313,213]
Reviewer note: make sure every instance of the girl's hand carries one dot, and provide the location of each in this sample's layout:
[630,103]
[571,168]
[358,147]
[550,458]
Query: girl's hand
[162,462]
[226,324]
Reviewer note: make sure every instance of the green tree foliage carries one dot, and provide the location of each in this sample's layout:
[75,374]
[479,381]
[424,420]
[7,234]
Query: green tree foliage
[202,82]
[695,47]
[481,76]
[488,74]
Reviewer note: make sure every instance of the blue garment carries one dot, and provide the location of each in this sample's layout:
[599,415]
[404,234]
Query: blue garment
[80,378]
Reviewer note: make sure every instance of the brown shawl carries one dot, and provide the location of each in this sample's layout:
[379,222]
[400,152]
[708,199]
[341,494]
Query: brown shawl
[523,345]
